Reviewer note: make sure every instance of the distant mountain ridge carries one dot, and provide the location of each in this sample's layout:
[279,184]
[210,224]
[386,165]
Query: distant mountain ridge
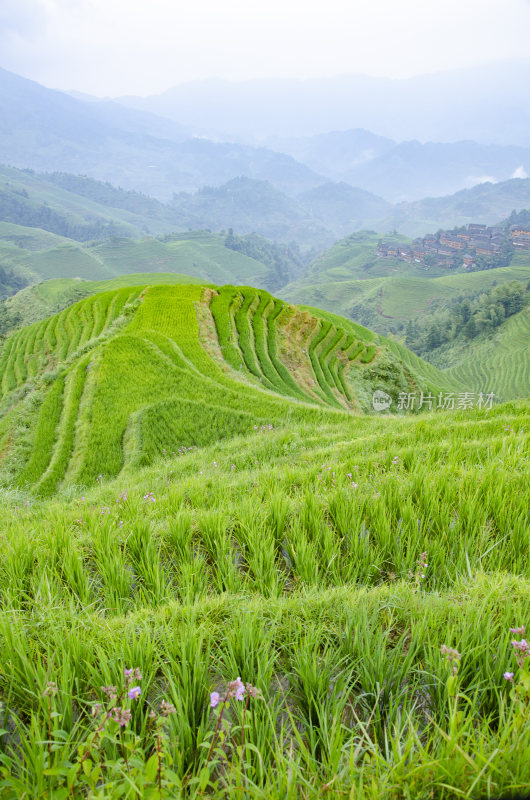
[83,208]
[406,171]
[138,149]
[50,131]
[487,203]
[480,103]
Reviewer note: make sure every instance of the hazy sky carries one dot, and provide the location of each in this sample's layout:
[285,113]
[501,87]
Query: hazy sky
[111,47]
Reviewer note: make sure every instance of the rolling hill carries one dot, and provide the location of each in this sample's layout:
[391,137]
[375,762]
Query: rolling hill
[386,294]
[384,303]
[82,208]
[222,361]
[30,255]
[350,275]
[239,519]
[251,206]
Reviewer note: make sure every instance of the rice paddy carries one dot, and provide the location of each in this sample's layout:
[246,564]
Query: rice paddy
[81,383]
[219,579]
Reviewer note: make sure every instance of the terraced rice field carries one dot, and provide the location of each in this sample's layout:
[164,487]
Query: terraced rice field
[190,494]
[81,383]
[329,566]
[500,363]
[45,344]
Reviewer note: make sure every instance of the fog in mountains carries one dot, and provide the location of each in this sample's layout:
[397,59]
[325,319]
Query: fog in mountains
[309,189]
[488,104]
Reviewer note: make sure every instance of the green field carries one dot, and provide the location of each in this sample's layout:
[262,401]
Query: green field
[292,558]
[200,254]
[355,258]
[497,363]
[394,299]
[190,492]
[191,489]
[81,382]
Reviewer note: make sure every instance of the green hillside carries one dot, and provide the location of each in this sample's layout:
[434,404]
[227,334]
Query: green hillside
[384,303]
[191,493]
[354,257]
[499,362]
[84,209]
[41,300]
[202,254]
[37,200]
[234,358]
[388,302]
[330,565]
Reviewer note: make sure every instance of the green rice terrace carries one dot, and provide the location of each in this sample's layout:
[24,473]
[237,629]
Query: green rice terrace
[118,378]
[224,575]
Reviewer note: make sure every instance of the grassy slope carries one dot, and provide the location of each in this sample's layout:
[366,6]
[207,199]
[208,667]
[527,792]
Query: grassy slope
[401,297]
[262,359]
[201,254]
[259,557]
[497,363]
[39,301]
[76,208]
[354,258]
[40,256]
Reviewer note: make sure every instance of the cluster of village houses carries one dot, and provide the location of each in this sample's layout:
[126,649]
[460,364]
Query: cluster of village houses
[476,240]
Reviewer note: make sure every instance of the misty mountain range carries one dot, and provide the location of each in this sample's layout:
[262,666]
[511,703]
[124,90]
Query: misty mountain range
[309,189]
[487,104]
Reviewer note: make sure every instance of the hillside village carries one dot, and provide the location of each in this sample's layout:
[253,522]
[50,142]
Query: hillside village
[462,247]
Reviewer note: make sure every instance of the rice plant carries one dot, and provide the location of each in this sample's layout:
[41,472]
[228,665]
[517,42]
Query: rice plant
[210,589]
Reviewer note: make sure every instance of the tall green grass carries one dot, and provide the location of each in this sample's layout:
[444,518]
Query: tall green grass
[290,557]
[175,518]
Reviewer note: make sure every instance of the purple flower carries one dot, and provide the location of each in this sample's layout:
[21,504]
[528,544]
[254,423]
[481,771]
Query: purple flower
[522,650]
[214,699]
[133,674]
[167,708]
[452,656]
[134,693]
[236,689]
[121,715]
[518,631]
[252,691]
[508,676]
